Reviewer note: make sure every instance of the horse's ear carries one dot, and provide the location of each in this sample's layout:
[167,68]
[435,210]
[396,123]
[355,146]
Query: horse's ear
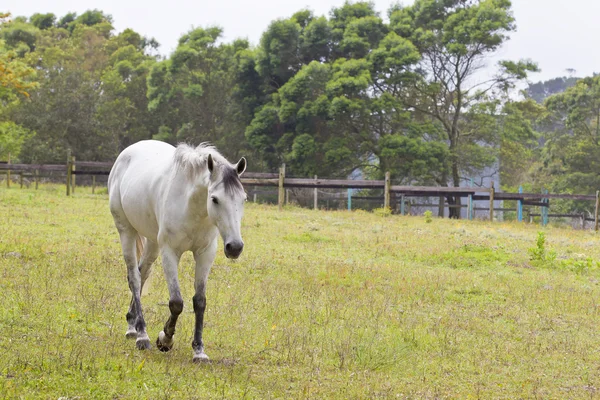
[210,163]
[241,166]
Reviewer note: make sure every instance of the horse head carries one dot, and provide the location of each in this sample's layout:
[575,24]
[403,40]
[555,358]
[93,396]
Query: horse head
[225,203]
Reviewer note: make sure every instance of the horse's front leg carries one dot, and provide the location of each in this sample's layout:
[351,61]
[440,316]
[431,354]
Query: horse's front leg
[204,260]
[170,259]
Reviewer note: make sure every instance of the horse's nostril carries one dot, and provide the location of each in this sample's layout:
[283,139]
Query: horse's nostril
[234,248]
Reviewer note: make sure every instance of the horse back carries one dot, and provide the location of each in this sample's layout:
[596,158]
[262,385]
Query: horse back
[137,182]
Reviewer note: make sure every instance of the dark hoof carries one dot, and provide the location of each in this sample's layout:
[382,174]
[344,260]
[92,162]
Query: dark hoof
[162,347]
[143,344]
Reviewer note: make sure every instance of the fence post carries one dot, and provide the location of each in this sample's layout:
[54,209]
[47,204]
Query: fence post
[402,210]
[281,197]
[315,194]
[386,191]
[254,197]
[93,184]
[582,221]
[21,180]
[470,207]
[37,178]
[73,176]
[349,199]
[8,173]
[545,209]
[69,165]
[287,196]
[492,191]
[520,206]
[596,212]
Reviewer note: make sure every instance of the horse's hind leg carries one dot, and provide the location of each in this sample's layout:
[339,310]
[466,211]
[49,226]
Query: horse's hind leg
[135,317]
[149,255]
[170,260]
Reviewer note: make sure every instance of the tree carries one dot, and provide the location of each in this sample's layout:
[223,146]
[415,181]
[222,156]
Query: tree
[455,38]
[346,23]
[520,147]
[91,96]
[334,110]
[16,78]
[12,137]
[278,57]
[196,95]
[540,91]
[573,140]
[122,110]
[43,21]
[19,36]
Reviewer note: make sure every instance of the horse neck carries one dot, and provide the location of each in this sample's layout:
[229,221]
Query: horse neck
[194,187]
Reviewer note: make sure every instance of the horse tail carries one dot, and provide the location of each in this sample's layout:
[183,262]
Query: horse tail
[139,247]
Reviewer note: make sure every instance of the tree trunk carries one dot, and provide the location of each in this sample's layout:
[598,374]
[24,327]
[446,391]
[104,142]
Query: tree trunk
[441,207]
[454,212]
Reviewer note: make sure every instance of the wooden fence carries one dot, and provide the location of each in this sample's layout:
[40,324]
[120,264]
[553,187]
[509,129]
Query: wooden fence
[72,168]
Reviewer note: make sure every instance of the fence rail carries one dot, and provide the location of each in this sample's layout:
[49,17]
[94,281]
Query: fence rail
[32,167]
[73,168]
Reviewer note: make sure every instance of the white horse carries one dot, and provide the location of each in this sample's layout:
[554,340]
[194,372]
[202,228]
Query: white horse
[172,200]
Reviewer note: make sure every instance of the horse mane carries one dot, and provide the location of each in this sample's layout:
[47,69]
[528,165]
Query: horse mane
[192,160]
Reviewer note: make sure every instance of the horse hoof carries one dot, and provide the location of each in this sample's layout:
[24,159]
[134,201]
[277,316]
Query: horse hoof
[131,334]
[200,358]
[162,343]
[143,343]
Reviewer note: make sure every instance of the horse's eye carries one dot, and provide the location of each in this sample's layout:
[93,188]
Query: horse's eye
[214,200]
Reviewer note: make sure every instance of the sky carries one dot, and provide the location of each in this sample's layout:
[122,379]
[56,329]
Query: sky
[557,34]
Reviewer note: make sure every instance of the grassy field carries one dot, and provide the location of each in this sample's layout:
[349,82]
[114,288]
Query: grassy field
[320,305]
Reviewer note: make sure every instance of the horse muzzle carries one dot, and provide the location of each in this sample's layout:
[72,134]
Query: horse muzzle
[233,249]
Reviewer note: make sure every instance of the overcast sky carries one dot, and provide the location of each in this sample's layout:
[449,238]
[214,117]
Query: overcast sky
[557,34]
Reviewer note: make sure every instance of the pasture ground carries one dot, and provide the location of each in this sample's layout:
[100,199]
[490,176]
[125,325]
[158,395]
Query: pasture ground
[320,305]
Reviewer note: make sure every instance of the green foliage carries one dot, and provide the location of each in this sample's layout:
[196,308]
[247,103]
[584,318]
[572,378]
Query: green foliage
[19,36]
[93,17]
[540,253]
[520,151]
[91,94]
[43,21]
[12,137]
[195,92]
[278,59]
[66,21]
[572,147]
[580,266]
[415,158]
[428,216]
[16,78]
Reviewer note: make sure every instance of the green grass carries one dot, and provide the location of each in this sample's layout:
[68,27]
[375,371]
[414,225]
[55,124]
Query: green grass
[320,305]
